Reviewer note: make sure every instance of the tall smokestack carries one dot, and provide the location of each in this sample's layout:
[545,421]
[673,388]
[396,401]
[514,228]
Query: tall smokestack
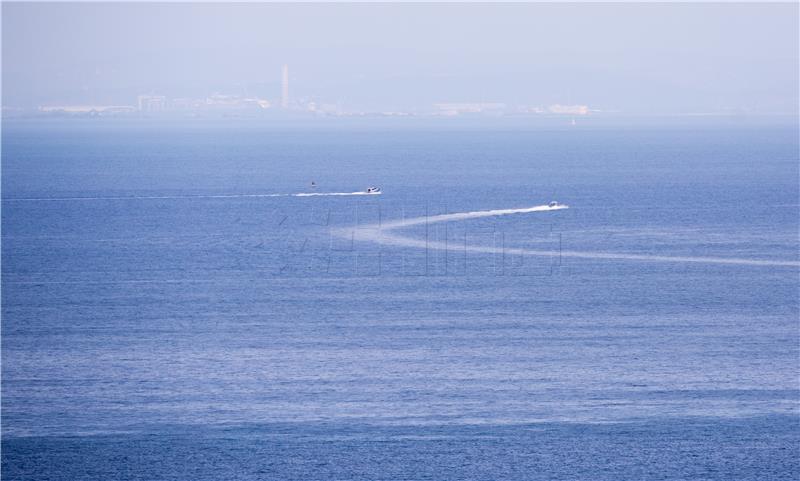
[285,87]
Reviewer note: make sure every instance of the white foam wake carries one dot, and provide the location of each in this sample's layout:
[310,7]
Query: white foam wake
[311,194]
[385,233]
[217,196]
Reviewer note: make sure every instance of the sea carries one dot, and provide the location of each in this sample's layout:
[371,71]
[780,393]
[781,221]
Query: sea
[177,306]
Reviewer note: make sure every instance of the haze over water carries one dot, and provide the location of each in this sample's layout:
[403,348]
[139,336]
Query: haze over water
[213,294]
[632,59]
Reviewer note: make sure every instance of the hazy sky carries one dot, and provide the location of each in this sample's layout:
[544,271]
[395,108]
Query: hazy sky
[636,58]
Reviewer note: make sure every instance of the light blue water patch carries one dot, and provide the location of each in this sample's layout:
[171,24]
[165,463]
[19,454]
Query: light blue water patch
[171,301]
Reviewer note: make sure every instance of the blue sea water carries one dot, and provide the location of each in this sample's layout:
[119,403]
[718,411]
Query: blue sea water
[163,318]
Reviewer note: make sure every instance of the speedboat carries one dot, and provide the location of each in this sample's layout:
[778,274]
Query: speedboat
[373,190]
[553,204]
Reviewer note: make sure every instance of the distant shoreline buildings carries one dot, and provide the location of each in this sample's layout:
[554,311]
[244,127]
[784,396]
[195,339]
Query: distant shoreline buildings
[228,105]
[88,109]
[151,103]
[495,109]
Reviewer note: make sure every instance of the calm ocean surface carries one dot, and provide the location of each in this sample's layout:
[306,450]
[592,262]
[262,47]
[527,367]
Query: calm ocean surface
[164,319]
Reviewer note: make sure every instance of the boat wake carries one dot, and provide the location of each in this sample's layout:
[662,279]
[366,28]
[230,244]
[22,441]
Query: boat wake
[386,233]
[312,194]
[217,196]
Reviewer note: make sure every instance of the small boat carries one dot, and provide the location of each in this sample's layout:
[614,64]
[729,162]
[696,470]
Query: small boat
[553,204]
[313,185]
[373,190]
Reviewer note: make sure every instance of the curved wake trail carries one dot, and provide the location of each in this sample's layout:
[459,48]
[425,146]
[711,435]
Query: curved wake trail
[384,233]
[219,196]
